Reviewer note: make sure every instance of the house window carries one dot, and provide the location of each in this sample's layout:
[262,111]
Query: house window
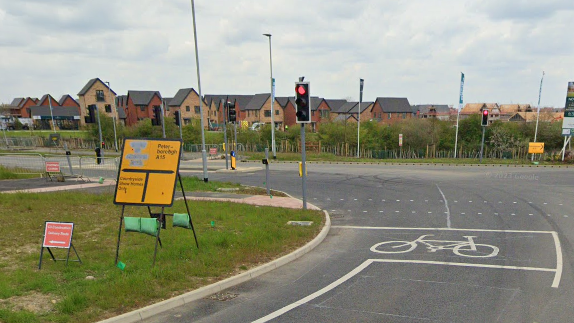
[187,108]
[108,108]
[142,108]
[324,114]
[404,115]
[267,113]
[28,111]
[100,95]
[196,108]
[256,114]
[186,121]
[312,113]
[389,115]
[276,112]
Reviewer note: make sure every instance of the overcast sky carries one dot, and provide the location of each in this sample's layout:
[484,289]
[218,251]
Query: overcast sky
[414,49]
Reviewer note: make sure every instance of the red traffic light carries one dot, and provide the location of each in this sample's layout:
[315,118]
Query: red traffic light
[485,112]
[301,90]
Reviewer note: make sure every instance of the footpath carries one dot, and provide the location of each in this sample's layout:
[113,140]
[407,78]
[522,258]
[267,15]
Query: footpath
[39,185]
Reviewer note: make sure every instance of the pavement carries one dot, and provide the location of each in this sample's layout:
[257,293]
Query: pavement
[40,185]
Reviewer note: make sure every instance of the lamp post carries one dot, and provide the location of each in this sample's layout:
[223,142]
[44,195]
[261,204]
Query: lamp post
[538,111]
[203,153]
[272,99]
[114,117]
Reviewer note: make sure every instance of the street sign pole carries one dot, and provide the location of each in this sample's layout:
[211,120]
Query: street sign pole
[538,111]
[458,111]
[482,144]
[267,171]
[304,167]
[361,82]
[224,106]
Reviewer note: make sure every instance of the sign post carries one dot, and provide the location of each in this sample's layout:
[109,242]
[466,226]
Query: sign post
[568,121]
[58,235]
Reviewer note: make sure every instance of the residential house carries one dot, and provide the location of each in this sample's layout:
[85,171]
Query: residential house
[342,112]
[187,102]
[432,111]
[477,108]
[68,101]
[287,104]
[259,110]
[140,105]
[97,93]
[121,106]
[391,110]
[65,118]
[515,112]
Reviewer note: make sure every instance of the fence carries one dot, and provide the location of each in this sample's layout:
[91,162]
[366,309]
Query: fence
[84,167]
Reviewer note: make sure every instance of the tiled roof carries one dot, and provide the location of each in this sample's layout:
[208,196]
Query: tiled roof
[142,97]
[16,102]
[256,102]
[180,96]
[64,97]
[335,105]
[43,111]
[394,105]
[91,83]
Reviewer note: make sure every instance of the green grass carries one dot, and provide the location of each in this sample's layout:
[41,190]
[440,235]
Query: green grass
[11,173]
[46,133]
[242,237]
[326,157]
[194,184]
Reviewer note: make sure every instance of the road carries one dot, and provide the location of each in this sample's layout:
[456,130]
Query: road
[476,244]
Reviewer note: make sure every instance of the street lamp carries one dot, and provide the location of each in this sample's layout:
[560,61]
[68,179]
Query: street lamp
[114,116]
[272,99]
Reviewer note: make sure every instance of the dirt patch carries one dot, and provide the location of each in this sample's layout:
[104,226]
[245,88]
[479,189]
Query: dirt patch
[33,302]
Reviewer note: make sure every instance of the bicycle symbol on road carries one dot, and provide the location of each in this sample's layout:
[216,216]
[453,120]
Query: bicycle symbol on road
[460,248]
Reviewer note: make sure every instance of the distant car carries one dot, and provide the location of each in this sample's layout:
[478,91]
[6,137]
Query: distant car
[256,126]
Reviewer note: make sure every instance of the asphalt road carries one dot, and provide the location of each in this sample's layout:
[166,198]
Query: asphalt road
[471,244]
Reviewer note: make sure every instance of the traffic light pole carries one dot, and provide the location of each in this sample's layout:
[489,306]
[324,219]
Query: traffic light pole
[303,166]
[224,104]
[100,133]
[162,120]
[482,144]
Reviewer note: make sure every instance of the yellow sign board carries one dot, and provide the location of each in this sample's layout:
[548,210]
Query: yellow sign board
[148,171]
[536,148]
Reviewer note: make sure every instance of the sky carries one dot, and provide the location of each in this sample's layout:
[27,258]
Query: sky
[414,49]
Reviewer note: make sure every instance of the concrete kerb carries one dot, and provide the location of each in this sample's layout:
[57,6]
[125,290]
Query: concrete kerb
[416,164]
[154,309]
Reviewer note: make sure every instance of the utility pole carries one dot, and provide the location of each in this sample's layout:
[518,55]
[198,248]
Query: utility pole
[458,111]
[115,116]
[224,107]
[272,97]
[361,82]
[538,111]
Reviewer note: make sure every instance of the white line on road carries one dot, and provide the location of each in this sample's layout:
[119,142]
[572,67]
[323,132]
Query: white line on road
[558,260]
[436,229]
[446,205]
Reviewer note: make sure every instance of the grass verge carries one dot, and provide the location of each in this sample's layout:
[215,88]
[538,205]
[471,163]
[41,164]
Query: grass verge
[240,238]
[194,184]
[325,157]
[10,173]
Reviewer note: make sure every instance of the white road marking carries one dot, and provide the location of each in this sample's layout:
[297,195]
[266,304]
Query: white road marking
[462,213]
[469,201]
[412,201]
[545,203]
[560,204]
[416,212]
[446,205]
[558,275]
[430,212]
[342,199]
[512,214]
[382,200]
[565,216]
[426,200]
[485,201]
[398,200]
[381,211]
[514,202]
[364,211]
[455,201]
[397,211]
[495,213]
[355,199]
[370,199]
[530,214]
[479,213]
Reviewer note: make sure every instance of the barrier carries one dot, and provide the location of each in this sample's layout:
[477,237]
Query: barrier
[23,163]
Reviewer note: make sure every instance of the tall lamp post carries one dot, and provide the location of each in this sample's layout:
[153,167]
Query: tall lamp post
[272,99]
[115,115]
[538,111]
[203,153]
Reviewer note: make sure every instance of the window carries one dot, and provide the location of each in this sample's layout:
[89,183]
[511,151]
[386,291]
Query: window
[108,108]
[277,112]
[256,114]
[312,113]
[324,114]
[100,95]
[186,121]
[404,115]
[196,109]
[389,115]
[267,113]
[187,108]
[142,108]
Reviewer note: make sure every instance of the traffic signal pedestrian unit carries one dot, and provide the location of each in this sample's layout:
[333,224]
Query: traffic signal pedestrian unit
[303,102]
[484,122]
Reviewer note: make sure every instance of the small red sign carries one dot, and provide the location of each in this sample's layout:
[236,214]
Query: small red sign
[212,151]
[52,167]
[58,234]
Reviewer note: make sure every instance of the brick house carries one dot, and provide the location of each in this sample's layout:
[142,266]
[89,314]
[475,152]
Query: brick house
[259,110]
[348,112]
[391,110]
[432,111]
[68,101]
[187,102]
[97,93]
[287,104]
[477,108]
[121,106]
[20,107]
[140,105]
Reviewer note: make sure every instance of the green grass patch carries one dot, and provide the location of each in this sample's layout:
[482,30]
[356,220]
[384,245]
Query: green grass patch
[241,237]
[13,173]
[195,184]
[46,133]
[326,157]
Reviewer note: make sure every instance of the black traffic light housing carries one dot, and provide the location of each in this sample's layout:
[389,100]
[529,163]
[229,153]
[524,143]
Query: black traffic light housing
[156,121]
[231,112]
[303,102]
[484,122]
[91,117]
[176,116]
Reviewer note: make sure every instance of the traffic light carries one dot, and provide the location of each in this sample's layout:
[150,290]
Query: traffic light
[303,102]
[91,117]
[484,118]
[176,116]
[156,121]
[232,114]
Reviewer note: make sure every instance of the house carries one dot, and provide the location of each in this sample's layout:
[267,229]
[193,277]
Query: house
[65,118]
[140,105]
[477,108]
[187,102]
[216,110]
[68,101]
[342,112]
[259,110]
[391,110]
[97,93]
[432,111]
[289,110]
[320,112]
[121,106]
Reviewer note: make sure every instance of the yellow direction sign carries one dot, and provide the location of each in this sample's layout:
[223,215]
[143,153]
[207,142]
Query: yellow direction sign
[148,171]
[536,148]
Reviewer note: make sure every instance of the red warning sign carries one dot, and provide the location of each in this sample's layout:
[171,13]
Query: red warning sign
[53,167]
[58,234]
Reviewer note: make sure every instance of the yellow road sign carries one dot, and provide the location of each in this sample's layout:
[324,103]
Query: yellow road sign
[536,148]
[148,171]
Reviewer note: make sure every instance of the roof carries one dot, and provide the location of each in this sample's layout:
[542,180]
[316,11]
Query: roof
[343,117]
[43,111]
[46,96]
[283,100]
[256,102]
[180,96]
[241,100]
[316,102]
[166,101]
[65,97]
[394,105]
[121,100]
[121,112]
[345,107]
[16,102]
[513,108]
[91,83]
[425,108]
[472,108]
[335,104]
[142,97]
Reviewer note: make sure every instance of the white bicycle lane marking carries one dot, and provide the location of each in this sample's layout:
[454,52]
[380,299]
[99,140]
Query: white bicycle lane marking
[450,245]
